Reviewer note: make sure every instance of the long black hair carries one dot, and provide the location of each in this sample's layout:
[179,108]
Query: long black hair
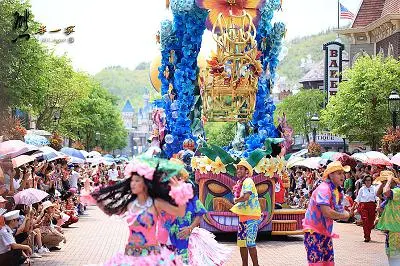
[115,199]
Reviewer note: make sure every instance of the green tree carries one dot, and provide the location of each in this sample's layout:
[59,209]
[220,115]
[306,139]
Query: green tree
[360,108]
[220,134]
[96,113]
[299,108]
[20,61]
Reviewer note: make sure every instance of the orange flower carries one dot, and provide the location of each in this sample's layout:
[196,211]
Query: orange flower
[227,7]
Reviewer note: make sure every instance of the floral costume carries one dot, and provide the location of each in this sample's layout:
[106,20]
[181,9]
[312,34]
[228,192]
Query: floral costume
[146,234]
[390,222]
[194,208]
[249,213]
[318,229]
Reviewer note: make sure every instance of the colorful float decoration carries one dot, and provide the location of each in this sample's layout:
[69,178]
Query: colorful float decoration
[233,85]
[229,83]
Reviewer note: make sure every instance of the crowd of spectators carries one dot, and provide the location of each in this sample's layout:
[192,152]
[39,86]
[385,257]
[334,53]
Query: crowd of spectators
[32,228]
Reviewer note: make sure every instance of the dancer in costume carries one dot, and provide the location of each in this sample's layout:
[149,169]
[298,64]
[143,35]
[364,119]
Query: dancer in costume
[140,199]
[247,207]
[390,218]
[326,205]
[197,246]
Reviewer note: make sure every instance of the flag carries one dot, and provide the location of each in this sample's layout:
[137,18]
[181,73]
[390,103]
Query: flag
[345,13]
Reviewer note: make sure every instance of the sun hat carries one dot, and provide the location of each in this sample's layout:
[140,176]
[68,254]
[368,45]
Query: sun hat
[384,175]
[333,167]
[246,165]
[47,204]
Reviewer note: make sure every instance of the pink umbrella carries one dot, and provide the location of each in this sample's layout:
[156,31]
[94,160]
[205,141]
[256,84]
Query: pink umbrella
[378,161]
[14,148]
[29,196]
[396,159]
[21,160]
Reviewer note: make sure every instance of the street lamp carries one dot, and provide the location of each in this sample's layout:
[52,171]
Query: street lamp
[314,124]
[394,106]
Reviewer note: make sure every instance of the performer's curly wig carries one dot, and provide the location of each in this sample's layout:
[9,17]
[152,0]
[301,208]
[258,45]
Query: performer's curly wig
[115,199]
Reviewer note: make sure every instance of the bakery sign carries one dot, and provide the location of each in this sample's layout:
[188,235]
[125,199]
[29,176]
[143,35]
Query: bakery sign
[333,67]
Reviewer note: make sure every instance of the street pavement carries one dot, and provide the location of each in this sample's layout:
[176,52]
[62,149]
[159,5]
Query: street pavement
[97,237]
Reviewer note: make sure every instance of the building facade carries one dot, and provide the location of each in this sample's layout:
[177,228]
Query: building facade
[138,123]
[376,29]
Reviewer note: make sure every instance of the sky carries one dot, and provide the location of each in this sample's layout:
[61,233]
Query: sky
[122,32]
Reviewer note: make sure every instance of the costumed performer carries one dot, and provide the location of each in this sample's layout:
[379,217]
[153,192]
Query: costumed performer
[140,199]
[326,205]
[197,246]
[390,218]
[247,207]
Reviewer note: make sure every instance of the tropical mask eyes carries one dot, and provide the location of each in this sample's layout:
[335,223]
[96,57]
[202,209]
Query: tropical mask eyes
[262,189]
[217,189]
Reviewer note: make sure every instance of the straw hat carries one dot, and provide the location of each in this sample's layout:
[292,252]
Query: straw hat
[246,165]
[333,167]
[384,175]
[47,204]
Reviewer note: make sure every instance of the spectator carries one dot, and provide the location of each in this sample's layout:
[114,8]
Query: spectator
[366,203]
[113,175]
[12,253]
[51,234]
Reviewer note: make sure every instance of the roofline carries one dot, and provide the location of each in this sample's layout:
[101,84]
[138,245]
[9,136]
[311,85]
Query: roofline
[370,26]
[358,11]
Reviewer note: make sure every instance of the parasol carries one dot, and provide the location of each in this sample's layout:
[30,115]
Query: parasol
[14,148]
[36,140]
[29,196]
[73,152]
[21,160]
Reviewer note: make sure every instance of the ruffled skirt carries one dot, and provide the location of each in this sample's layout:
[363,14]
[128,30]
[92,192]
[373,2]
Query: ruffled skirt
[204,250]
[164,258]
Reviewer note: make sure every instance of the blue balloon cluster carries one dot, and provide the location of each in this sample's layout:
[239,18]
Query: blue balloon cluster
[269,40]
[188,28]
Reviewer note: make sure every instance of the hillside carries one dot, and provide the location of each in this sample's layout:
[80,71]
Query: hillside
[307,48]
[126,83]
[132,84]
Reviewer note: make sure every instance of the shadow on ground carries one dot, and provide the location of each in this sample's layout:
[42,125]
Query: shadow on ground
[262,237]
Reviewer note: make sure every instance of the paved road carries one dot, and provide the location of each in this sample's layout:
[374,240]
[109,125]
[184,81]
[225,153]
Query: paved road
[97,237]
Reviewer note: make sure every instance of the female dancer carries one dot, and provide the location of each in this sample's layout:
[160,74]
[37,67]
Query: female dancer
[140,199]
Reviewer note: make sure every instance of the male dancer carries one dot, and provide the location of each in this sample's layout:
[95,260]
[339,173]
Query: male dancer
[247,207]
[326,205]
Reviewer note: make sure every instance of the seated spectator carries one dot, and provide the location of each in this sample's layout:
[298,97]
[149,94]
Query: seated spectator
[70,209]
[12,253]
[51,234]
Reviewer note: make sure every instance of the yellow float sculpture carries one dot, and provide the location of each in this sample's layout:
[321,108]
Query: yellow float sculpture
[229,83]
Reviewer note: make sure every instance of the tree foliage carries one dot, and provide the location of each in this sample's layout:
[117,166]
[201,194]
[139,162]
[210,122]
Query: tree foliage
[127,84]
[299,108]
[220,134]
[360,108]
[33,79]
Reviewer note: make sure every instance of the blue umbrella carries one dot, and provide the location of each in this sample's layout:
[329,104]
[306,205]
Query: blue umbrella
[73,152]
[36,140]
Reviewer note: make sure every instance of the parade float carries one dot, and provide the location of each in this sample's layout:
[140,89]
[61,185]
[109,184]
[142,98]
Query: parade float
[232,85]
